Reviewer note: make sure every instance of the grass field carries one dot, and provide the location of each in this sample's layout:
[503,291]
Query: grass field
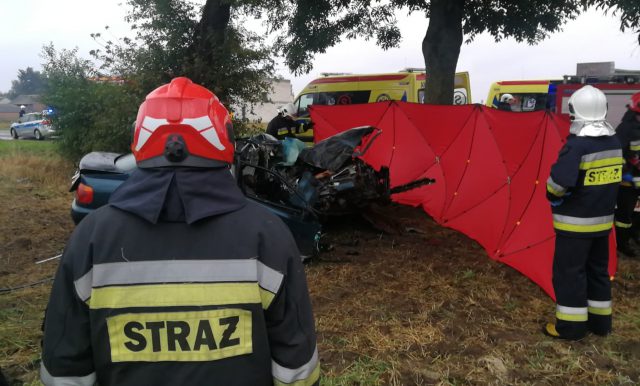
[424,306]
[5,123]
[34,225]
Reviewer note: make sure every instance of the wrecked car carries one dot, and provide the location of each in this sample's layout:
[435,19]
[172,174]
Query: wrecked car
[302,185]
[327,179]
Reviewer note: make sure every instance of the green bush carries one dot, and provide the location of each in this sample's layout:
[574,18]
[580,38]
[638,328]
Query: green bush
[90,115]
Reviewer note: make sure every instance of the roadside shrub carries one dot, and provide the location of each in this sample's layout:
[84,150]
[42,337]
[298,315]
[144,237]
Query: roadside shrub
[89,115]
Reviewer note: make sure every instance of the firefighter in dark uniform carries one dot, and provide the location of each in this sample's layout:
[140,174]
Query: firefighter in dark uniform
[180,280]
[582,190]
[628,133]
[284,124]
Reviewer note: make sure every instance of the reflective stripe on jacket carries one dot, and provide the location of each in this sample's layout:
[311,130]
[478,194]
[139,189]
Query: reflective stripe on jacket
[628,133]
[221,301]
[583,185]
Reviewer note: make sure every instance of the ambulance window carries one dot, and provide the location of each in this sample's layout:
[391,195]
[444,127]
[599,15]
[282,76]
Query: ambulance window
[344,97]
[303,104]
[530,101]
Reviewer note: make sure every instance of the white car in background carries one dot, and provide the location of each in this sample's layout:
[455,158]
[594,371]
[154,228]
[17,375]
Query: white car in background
[32,125]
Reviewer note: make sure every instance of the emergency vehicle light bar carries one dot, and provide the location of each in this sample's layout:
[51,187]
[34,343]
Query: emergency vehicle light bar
[612,79]
[335,73]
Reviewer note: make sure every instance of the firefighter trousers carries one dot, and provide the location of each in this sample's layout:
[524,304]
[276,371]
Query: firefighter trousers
[626,202]
[582,286]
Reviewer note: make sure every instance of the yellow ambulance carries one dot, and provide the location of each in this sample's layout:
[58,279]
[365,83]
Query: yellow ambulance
[529,95]
[345,89]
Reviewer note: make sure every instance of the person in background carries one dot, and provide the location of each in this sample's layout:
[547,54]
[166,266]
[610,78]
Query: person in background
[284,124]
[23,111]
[582,190]
[506,102]
[628,133]
[180,280]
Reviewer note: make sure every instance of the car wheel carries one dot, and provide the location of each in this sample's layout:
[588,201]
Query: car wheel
[37,134]
[14,133]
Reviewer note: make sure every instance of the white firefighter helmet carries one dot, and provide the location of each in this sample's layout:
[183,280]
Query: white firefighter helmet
[288,109]
[506,98]
[588,104]
[588,110]
[22,107]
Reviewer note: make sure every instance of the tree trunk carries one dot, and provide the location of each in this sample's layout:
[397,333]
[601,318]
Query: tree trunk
[213,25]
[206,62]
[441,48]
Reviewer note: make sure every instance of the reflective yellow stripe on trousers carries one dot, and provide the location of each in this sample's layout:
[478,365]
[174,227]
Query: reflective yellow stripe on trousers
[572,314]
[600,307]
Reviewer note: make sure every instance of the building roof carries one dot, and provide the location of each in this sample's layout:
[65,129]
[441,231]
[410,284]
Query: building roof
[7,108]
[4,101]
[26,100]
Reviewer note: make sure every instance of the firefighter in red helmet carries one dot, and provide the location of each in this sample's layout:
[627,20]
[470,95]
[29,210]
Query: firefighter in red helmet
[180,279]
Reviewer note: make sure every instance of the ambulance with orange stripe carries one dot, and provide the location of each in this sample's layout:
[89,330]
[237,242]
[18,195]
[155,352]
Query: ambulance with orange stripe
[345,89]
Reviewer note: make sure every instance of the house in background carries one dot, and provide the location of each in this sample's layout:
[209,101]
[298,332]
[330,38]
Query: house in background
[9,112]
[10,109]
[32,103]
[281,93]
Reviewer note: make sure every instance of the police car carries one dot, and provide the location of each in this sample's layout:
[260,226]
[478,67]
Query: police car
[33,125]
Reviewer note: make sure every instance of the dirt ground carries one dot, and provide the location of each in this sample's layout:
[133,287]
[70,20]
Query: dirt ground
[428,307]
[425,306]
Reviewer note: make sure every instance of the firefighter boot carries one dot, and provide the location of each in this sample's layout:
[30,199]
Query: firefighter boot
[599,324]
[550,330]
[634,235]
[622,241]
[600,311]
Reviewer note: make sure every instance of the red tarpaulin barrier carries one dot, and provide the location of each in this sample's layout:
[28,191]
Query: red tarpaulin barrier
[490,167]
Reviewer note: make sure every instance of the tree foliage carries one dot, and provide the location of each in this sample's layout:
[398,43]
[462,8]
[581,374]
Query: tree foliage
[627,10]
[309,27]
[182,38]
[172,38]
[29,82]
[90,115]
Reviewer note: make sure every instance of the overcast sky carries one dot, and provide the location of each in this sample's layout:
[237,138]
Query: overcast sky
[29,24]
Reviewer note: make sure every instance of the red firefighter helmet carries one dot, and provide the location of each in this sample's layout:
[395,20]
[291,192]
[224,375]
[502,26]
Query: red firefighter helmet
[182,124]
[635,103]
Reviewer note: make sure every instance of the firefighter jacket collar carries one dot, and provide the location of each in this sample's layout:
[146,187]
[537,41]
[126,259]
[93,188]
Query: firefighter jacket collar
[178,195]
[591,129]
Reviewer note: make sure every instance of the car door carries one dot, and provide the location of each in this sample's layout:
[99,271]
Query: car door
[21,127]
[29,125]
